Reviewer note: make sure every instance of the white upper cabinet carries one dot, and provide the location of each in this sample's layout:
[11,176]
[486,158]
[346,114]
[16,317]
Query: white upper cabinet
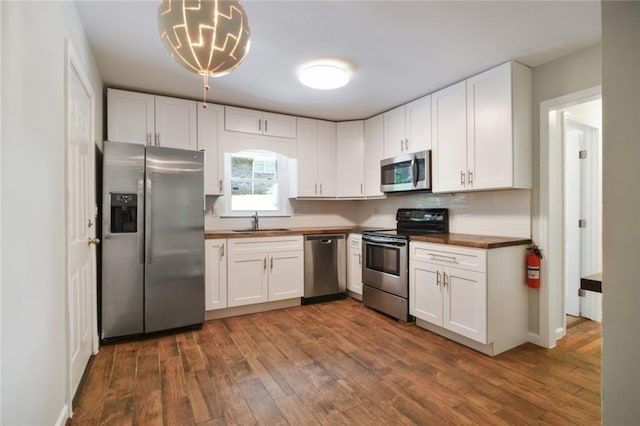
[130,117]
[316,158]
[210,125]
[482,132]
[259,122]
[449,157]
[350,158]
[407,128]
[151,120]
[373,153]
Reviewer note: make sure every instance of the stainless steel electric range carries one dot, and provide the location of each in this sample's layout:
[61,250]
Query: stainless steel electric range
[385,254]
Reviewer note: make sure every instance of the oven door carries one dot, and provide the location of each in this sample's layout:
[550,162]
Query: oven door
[385,264]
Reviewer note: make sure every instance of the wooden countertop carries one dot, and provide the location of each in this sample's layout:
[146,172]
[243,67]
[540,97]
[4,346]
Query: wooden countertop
[284,232]
[467,240]
[470,240]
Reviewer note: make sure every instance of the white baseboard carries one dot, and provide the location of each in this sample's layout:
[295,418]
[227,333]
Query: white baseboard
[64,415]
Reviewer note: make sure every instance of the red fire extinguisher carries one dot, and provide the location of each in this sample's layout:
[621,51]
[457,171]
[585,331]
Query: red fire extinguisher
[533,267]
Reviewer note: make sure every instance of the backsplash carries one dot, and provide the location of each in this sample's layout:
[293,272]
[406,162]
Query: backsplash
[500,213]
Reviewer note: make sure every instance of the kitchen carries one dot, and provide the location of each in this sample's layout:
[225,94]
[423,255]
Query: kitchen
[45,284]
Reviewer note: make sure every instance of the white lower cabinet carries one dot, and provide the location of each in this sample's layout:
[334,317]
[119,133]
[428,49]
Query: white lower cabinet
[265,270]
[215,265]
[354,266]
[474,296]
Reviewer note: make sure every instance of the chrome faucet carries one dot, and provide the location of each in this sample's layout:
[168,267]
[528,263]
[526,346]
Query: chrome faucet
[255,221]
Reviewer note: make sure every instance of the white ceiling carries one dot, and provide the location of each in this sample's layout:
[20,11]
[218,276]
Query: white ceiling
[401,49]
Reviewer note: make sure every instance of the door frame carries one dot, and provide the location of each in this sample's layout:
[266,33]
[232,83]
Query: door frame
[548,228]
[72,60]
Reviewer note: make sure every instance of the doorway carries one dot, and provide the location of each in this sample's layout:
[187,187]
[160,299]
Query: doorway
[582,158]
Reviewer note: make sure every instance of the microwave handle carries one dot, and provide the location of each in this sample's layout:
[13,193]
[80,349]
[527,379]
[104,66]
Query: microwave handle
[414,172]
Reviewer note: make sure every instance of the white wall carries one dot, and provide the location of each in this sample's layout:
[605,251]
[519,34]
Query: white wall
[621,127]
[501,213]
[34,337]
[577,71]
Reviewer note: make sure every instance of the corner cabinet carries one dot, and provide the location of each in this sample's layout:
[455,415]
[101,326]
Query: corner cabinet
[476,297]
[215,288]
[481,131]
[407,128]
[350,158]
[151,120]
[373,153]
[315,173]
[265,269]
[259,122]
[210,125]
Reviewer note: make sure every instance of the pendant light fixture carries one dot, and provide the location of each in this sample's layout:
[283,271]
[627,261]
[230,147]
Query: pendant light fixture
[208,37]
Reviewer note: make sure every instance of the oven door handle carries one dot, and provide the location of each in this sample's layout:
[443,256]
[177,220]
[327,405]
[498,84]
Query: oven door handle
[388,244]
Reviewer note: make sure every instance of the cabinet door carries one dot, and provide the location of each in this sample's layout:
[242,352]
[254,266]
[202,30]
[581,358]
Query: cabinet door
[449,129]
[394,132]
[465,303]
[247,279]
[418,124]
[286,275]
[215,289]
[306,143]
[242,120]
[130,117]
[373,153]
[354,271]
[176,123]
[350,158]
[326,157]
[210,122]
[425,292]
[280,125]
[489,129]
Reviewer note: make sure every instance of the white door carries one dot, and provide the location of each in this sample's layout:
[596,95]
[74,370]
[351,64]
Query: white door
[354,268]
[176,123]
[130,117]
[286,275]
[449,130]
[373,153]
[465,303]
[215,273]
[247,279]
[418,124]
[326,151]
[350,158]
[582,208]
[81,279]
[279,125]
[425,286]
[210,123]
[307,157]
[394,132]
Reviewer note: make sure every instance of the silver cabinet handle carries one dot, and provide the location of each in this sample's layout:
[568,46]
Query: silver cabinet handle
[361,189]
[406,144]
[149,138]
[470,173]
[271,264]
[264,263]
[443,258]
[260,125]
[444,279]
[221,251]
[462,178]
[157,139]
[316,188]
[220,185]
[266,126]
[359,259]
[438,278]
[320,189]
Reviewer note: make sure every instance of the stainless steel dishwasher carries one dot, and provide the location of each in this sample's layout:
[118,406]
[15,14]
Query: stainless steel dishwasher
[325,271]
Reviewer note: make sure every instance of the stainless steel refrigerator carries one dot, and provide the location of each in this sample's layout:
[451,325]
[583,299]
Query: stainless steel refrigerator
[153,239]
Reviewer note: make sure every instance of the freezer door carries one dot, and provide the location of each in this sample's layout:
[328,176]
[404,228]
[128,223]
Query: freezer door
[122,288]
[174,242]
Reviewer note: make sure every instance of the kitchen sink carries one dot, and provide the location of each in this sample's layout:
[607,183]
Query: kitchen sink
[260,230]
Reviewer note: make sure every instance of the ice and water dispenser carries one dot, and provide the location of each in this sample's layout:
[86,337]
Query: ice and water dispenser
[124,213]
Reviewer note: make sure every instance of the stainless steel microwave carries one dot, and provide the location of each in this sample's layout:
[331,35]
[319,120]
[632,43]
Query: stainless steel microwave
[407,172]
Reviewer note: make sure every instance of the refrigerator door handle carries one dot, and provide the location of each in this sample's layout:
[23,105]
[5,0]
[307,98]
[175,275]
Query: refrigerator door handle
[147,217]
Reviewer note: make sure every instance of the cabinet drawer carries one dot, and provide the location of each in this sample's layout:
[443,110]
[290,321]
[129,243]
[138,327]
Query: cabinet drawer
[355,241]
[265,244]
[471,259]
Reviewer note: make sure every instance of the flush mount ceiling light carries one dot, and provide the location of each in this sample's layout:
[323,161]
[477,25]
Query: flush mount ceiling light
[325,74]
[208,37]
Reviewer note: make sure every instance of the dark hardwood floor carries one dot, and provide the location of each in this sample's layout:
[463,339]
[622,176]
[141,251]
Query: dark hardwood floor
[337,363]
